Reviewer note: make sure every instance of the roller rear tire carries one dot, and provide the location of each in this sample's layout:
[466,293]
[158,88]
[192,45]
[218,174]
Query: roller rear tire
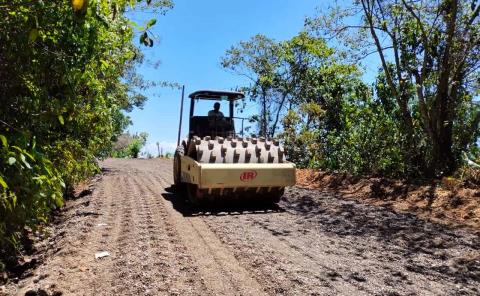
[177,167]
[193,194]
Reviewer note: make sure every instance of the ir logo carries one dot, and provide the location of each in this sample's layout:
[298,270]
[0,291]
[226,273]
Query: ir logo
[248,176]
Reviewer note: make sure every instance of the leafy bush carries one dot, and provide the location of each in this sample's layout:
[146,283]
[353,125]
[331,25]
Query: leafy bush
[129,146]
[67,75]
[30,187]
[366,139]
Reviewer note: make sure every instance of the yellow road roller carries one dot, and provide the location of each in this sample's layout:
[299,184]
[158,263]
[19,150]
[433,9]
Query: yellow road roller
[216,164]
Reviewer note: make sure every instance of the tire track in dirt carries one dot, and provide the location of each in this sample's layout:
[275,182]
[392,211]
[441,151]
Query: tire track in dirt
[314,244]
[221,272]
[79,264]
[144,256]
[100,282]
[128,221]
[179,276]
[271,258]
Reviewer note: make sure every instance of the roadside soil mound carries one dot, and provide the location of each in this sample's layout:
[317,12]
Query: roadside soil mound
[446,201]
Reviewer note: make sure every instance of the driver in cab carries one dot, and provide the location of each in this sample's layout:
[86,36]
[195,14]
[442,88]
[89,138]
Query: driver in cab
[215,113]
[215,116]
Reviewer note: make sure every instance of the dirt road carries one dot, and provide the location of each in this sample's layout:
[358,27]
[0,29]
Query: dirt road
[313,243]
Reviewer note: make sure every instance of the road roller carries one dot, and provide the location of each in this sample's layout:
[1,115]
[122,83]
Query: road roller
[214,163]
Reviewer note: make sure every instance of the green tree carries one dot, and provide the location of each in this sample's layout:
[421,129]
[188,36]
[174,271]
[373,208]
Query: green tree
[429,58]
[258,60]
[285,75]
[129,145]
[302,81]
[67,75]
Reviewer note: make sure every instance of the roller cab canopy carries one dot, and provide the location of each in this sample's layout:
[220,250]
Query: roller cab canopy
[216,95]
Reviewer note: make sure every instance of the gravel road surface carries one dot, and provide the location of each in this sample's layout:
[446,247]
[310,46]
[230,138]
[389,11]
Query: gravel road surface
[312,243]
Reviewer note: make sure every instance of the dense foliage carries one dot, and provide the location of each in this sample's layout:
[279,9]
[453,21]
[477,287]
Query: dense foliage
[419,118]
[428,52]
[317,103]
[129,146]
[67,73]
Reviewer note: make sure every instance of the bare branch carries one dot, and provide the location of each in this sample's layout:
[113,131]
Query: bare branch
[388,75]
[344,28]
[424,40]
[474,16]
[372,52]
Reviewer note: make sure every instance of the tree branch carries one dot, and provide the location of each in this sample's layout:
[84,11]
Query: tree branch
[388,75]
[373,51]
[424,39]
[474,16]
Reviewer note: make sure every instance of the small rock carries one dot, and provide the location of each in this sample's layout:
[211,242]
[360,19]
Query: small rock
[438,242]
[442,255]
[26,274]
[31,292]
[358,277]
[39,278]
[333,274]
[399,274]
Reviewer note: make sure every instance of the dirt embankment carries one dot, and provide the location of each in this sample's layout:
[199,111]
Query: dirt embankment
[441,202]
[313,243]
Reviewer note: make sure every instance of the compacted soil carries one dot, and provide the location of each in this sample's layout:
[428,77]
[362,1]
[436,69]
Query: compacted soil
[313,243]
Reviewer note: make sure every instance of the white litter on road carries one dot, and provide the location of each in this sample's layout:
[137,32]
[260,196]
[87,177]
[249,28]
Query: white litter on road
[101,254]
[102,224]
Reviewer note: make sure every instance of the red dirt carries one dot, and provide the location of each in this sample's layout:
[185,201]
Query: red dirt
[446,202]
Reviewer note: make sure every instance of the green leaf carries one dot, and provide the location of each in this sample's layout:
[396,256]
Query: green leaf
[29,155]
[11,160]
[33,35]
[25,162]
[2,182]
[14,200]
[4,140]
[60,118]
[151,23]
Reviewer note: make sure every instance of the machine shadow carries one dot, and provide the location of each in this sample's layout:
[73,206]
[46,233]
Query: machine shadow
[180,204]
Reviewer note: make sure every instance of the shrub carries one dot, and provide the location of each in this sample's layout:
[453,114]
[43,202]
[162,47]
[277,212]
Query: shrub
[30,187]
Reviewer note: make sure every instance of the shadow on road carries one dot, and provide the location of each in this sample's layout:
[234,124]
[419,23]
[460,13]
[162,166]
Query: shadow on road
[181,204]
[404,232]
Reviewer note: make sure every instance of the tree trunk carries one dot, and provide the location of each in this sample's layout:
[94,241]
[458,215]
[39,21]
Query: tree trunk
[277,116]
[443,160]
[263,119]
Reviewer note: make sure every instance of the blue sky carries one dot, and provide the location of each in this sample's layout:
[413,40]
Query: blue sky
[191,39]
